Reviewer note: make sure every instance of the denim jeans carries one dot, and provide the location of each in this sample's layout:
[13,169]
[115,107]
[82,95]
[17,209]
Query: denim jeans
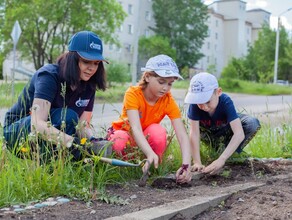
[20,129]
[221,138]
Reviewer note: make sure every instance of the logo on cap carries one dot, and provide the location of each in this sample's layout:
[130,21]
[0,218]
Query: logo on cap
[95,46]
[197,87]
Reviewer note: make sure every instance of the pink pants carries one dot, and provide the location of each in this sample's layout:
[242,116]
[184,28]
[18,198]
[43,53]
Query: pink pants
[155,134]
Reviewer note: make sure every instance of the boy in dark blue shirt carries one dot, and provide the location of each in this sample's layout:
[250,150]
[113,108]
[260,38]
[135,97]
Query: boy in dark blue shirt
[214,120]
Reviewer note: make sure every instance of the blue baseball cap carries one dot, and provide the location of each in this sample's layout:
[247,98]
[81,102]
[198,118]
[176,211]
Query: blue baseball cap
[87,44]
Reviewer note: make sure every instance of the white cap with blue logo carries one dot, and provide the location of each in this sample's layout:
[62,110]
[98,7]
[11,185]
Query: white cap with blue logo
[201,88]
[162,65]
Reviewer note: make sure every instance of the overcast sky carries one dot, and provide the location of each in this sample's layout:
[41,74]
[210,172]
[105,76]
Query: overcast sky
[275,7]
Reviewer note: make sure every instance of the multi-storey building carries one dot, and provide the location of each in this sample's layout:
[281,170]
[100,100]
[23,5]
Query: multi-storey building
[231,30]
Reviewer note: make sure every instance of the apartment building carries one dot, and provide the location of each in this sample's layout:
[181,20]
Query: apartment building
[231,30]
[136,24]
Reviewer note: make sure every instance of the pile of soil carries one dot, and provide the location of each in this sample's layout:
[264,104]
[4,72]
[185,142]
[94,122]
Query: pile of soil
[271,201]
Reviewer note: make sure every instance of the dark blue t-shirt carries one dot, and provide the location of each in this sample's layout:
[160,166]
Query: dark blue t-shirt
[47,84]
[225,113]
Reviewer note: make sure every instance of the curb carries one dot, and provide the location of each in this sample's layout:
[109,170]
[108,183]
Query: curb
[193,206]
[187,208]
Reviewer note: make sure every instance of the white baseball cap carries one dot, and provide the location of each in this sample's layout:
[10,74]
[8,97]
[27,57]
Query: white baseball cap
[162,65]
[201,88]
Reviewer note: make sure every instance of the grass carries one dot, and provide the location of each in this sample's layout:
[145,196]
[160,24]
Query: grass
[25,181]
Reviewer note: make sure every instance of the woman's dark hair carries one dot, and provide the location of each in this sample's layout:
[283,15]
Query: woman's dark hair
[69,71]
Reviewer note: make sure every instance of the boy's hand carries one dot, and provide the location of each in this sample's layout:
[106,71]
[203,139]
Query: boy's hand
[184,175]
[197,167]
[214,167]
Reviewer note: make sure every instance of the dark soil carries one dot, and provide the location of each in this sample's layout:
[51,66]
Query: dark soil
[271,201]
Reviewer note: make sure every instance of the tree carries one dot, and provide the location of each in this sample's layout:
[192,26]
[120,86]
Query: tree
[117,72]
[48,25]
[258,64]
[152,46]
[261,57]
[183,23]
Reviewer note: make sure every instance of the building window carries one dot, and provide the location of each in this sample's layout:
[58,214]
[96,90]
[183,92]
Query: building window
[148,16]
[217,23]
[208,45]
[128,47]
[130,29]
[216,36]
[130,9]
[147,33]
[120,29]
[129,67]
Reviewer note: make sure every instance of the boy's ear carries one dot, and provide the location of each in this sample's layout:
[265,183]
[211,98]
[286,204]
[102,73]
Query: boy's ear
[219,91]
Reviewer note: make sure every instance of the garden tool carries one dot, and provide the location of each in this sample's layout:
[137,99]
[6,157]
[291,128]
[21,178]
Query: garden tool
[122,163]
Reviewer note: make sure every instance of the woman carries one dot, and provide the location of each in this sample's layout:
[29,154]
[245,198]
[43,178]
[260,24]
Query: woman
[59,97]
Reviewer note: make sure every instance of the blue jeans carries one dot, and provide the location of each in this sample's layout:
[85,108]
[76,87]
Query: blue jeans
[20,129]
[221,138]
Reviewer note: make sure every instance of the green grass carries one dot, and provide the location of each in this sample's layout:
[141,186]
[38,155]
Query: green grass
[116,92]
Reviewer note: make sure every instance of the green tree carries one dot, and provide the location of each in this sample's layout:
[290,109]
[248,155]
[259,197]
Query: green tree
[152,46]
[261,57]
[48,25]
[258,64]
[183,23]
[117,72]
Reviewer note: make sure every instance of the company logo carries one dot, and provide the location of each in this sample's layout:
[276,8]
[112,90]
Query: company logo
[82,103]
[197,86]
[95,46]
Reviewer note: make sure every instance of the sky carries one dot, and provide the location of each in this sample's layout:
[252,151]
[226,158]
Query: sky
[275,7]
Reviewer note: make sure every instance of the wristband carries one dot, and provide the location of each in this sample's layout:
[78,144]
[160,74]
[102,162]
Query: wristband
[184,167]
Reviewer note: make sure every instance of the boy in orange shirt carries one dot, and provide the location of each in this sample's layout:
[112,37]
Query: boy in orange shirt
[144,107]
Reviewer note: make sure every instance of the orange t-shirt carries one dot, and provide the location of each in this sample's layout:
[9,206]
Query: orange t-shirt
[149,114]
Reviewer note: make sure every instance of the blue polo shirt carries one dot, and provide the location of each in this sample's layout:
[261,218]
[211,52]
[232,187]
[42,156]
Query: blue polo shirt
[225,113]
[47,84]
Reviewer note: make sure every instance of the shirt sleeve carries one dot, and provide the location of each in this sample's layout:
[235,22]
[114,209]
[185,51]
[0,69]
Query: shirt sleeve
[193,112]
[45,86]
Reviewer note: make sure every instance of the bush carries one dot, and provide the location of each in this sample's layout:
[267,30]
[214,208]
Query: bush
[117,72]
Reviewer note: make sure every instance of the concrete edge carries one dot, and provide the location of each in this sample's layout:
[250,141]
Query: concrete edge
[186,208]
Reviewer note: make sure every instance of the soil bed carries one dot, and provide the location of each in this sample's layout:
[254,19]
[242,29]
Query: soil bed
[271,201]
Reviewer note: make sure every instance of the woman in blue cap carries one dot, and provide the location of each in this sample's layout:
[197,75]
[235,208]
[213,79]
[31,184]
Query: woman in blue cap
[58,98]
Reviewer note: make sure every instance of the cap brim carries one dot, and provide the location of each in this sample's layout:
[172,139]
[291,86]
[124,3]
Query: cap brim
[91,57]
[198,98]
[162,73]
